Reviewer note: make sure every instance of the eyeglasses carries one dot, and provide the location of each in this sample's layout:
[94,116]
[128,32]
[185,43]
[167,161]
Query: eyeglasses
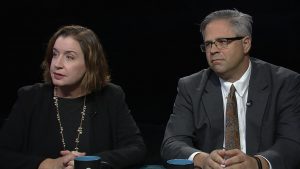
[221,43]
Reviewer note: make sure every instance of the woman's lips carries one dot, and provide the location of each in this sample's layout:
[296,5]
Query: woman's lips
[58,76]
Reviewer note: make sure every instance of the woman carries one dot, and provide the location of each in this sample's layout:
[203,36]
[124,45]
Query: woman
[76,112]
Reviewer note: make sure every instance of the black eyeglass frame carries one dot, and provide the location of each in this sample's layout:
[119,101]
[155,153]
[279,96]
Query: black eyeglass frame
[219,40]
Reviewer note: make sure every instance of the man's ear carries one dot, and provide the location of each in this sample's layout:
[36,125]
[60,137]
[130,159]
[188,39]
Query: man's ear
[247,44]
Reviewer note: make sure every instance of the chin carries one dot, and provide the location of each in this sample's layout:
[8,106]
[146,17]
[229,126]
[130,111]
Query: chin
[217,68]
[56,83]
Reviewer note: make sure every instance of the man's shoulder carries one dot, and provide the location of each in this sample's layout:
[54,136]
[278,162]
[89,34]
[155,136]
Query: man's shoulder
[196,77]
[275,70]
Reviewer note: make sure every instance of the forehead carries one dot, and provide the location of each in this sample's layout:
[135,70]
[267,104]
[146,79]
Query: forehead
[218,29]
[67,44]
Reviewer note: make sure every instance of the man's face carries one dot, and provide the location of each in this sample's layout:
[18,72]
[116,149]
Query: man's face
[230,59]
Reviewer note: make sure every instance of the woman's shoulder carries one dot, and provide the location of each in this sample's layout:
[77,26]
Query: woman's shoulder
[110,90]
[34,88]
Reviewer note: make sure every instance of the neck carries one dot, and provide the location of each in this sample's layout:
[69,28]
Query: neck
[237,73]
[67,92]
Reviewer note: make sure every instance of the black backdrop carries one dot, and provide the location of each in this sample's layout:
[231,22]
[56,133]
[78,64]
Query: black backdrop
[149,44]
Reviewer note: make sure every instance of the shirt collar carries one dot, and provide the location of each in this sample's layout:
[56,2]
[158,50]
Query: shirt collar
[240,85]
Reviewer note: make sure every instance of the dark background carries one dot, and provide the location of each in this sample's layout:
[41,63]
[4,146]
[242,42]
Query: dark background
[149,44]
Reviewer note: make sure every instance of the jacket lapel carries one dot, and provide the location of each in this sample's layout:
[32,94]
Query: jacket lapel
[213,104]
[258,94]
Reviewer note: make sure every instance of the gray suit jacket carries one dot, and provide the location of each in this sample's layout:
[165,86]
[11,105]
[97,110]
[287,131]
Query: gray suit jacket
[272,119]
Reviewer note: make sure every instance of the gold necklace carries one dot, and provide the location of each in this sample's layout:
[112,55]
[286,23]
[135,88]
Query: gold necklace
[79,130]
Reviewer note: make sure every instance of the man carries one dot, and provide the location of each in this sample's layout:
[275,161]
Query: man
[267,98]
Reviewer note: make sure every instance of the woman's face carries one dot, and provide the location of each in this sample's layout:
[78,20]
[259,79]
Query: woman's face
[67,66]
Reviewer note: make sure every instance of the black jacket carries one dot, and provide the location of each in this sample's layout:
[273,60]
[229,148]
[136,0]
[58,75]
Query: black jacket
[31,132]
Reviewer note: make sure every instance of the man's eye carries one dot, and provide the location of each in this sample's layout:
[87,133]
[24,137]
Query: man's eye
[207,44]
[222,41]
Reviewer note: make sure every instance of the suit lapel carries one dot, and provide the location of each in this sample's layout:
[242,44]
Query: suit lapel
[213,104]
[258,94]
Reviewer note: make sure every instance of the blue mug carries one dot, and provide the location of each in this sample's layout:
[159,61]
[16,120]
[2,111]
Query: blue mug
[180,164]
[87,162]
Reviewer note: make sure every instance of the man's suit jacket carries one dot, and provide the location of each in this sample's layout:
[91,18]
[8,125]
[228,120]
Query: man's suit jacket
[272,118]
[31,133]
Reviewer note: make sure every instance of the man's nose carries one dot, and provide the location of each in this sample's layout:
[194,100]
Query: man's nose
[214,48]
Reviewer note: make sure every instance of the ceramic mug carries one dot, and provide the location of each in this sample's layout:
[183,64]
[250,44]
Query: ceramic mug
[180,164]
[87,162]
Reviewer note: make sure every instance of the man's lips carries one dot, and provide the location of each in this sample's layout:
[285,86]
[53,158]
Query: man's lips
[216,61]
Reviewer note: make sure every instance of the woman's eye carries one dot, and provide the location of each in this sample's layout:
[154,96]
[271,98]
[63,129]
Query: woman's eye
[69,57]
[54,54]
